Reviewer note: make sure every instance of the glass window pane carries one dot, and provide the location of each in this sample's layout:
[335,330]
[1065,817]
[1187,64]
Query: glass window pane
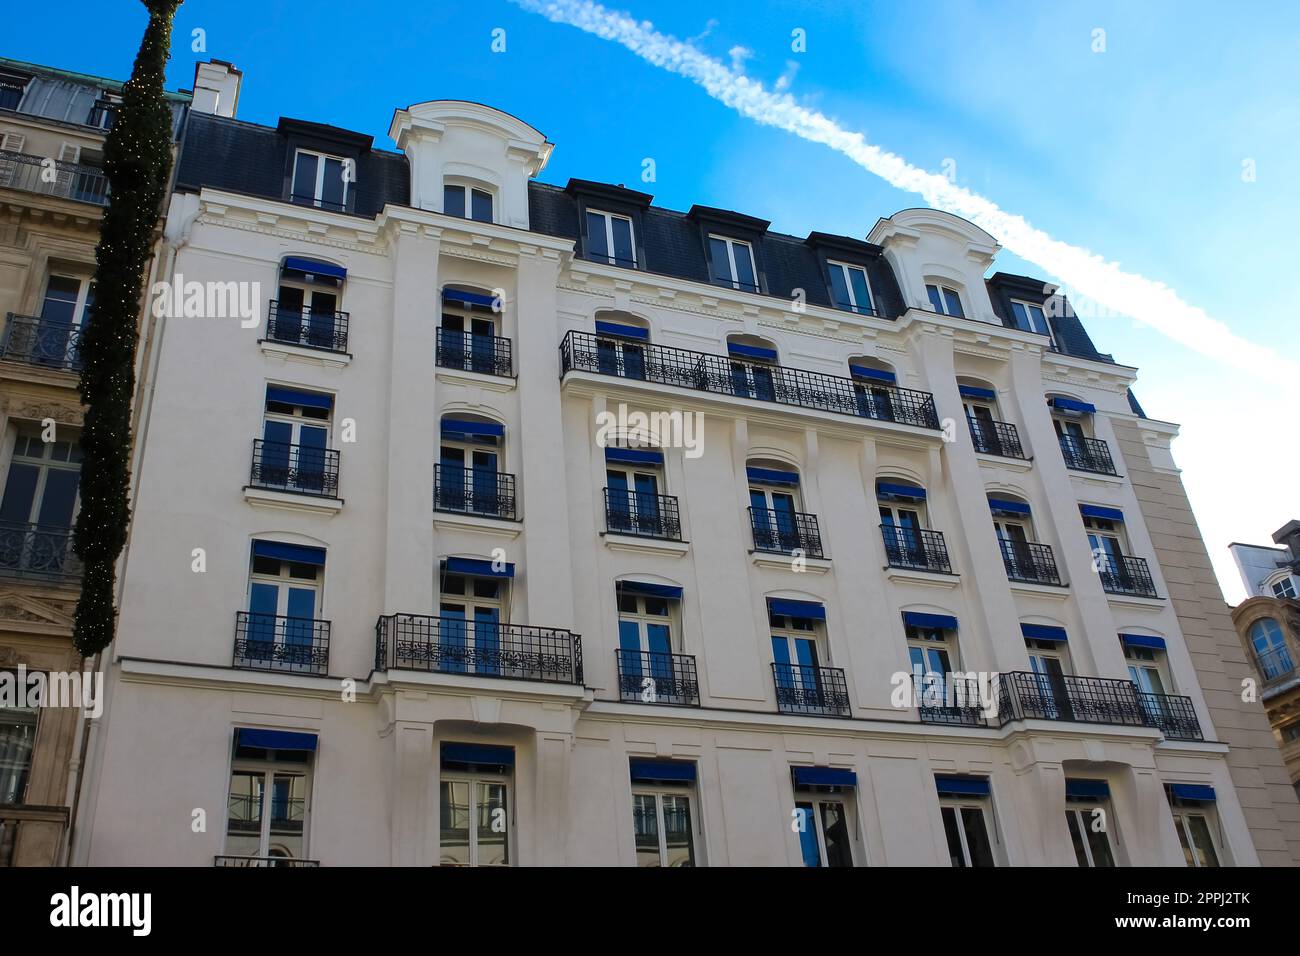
[597,242]
[953,302]
[304,177]
[623,253]
[244,813]
[977,837]
[288,814]
[839,288]
[61,299]
[1098,841]
[718,253]
[1200,828]
[453,201]
[1038,320]
[936,302]
[481,205]
[17,736]
[861,293]
[1180,824]
[333,187]
[677,831]
[835,831]
[493,827]
[453,813]
[955,854]
[1018,313]
[645,829]
[1076,838]
[744,265]
[808,835]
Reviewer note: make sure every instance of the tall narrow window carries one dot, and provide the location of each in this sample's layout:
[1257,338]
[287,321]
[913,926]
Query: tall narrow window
[294,453]
[824,815]
[306,310]
[320,180]
[609,238]
[475,805]
[1271,651]
[664,822]
[1089,820]
[269,797]
[733,263]
[40,500]
[945,301]
[284,629]
[469,475]
[1195,819]
[964,806]
[17,739]
[849,288]
[471,609]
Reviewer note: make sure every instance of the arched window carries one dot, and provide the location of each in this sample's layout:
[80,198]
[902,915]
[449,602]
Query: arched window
[874,382]
[306,310]
[467,199]
[944,298]
[1023,557]
[1271,652]
[469,337]
[754,368]
[620,344]
[468,477]
[903,524]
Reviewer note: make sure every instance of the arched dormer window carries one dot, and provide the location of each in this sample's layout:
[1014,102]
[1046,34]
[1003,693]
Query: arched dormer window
[469,477]
[467,199]
[306,309]
[944,298]
[469,337]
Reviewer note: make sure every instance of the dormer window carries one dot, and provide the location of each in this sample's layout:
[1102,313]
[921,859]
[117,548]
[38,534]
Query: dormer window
[1030,317]
[466,202]
[12,87]
[104,112]
[609,239]
[850,289]
[320,180]
[945,301]
[733,263]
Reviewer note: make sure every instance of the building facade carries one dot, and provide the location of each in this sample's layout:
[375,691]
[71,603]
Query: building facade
[533,525]
[1268,626]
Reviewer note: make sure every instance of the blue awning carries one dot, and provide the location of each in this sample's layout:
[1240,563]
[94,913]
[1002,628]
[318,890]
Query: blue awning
[622,331]
[962,786]
[944,622]
[880,375]
[770,476]
[1093,511]
[751,351]
[1092,789]
[292,396]
[468,298]
[1007,506]
[971,391]
[289,552]
[1143,640]
[1072,405]
[885,489]
[824,777]
[459,426]
[1043,632]
[662,771]
[1192,791]
[315,267]
[275,739]
[487,754]
[670,591]
[477,567]
[807,610]
[634,456]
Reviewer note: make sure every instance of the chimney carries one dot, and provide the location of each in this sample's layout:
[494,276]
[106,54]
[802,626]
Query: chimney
[216,88]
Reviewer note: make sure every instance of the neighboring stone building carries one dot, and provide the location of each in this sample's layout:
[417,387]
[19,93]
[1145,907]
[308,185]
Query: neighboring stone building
[370,527]
[52,196]
[1268,626]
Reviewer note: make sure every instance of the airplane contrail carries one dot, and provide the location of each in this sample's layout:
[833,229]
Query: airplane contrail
[1150,302]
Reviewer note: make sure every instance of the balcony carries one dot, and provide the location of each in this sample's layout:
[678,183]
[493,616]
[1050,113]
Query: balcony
[1087,454]
[71,180]
[33,340]
[642,514]
[487,354]
[1089,700]
[300,469]
[726,375]
[784,532]
[471,491]
[1173,714]
[1275,664]
[995,438]
[311,328]
[1122,574]
[274,642]
[646,677]
[453,645]
[916,549]
[31,835]
[38,553]
[803,689]
[943,700]
[260,862]
[1029,562]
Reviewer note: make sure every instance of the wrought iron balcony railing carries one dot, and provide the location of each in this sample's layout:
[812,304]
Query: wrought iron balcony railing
[259,862]
[479,648]
[642,514]
[1089,700]
[473,491]
[1087,454]
[802,689]
[275,642]
[916,549]
[1275,664]
[38,552]
[489,354]
[43,342]
[311,328]
[995,438]
[1125,575]
[1029,562]
[943,699]
[784,532]
[301,469]
[727,375]
[1173,714]
[647,677]
[69,180]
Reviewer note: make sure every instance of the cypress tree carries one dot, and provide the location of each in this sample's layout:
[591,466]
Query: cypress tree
[137,163]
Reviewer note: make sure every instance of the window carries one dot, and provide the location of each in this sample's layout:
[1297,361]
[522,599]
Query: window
[1284,588]
[474,805]
[932,653]
[1271,651]
[1106,539]
[1016,540]
[467,202]
[796,650]
[774,510]
[41,498]
[733,263]
[633,505]
[54,338]
[1049,661]
[12,87]
[849,288]
[1030,318]
[823,815]
[753,370]
[104,113]
[1195,835]
[470,335]
[1147,668]
[901,523]
[471,609]
[294,453]
[609,238]
[945,301]
[284,629]
[320,180]
[17,738]
[277,832]
[966,831]
[873,389]
[620,349]
[469,477]
[1088,819]
[306,310]
[664,824]
[1291,732]
[645,640]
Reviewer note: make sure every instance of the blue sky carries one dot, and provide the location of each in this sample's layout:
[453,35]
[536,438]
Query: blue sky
[1135,153]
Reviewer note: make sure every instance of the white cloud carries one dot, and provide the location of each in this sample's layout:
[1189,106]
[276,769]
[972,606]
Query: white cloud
[739,54]
[1147,300]
[785,79]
